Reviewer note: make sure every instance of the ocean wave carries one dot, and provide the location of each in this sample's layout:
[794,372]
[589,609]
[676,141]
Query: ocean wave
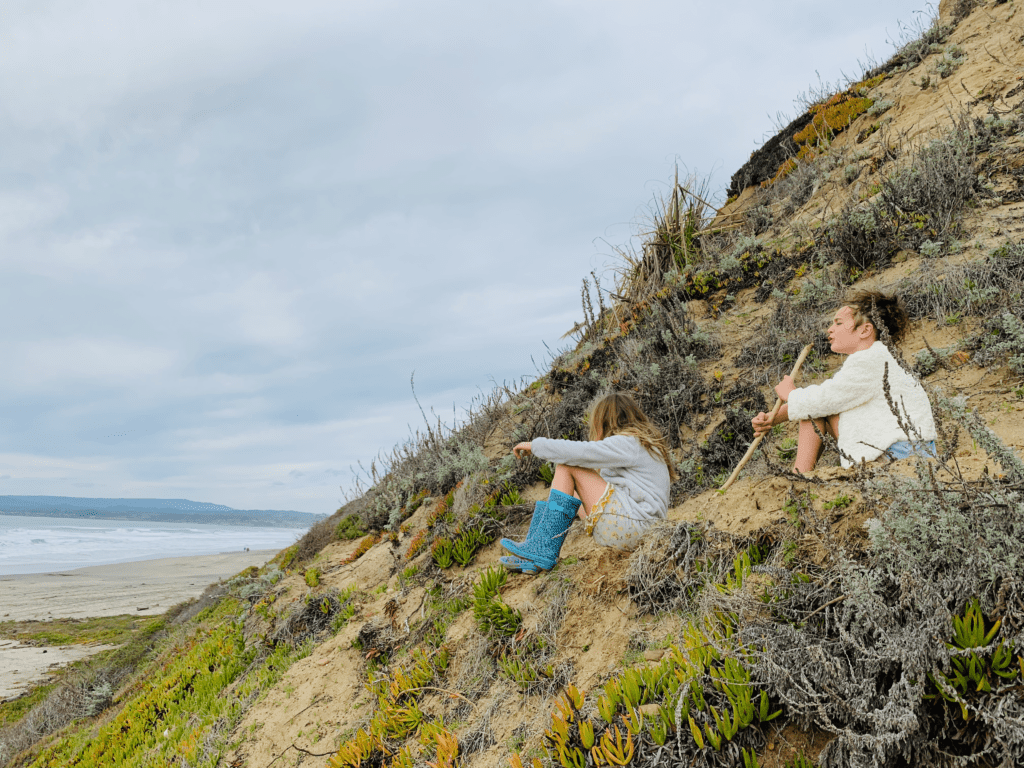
[35,545]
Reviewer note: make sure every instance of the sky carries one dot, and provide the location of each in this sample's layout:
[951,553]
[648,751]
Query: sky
[231,233]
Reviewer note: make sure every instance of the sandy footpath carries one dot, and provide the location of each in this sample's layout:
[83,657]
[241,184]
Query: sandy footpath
[142,588]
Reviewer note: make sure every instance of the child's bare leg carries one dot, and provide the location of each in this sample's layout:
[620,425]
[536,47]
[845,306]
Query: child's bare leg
[808,446]
[585,483]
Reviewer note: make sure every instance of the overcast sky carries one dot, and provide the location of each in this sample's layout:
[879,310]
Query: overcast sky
[230,232]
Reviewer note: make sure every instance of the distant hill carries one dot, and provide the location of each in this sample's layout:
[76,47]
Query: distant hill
[153,510]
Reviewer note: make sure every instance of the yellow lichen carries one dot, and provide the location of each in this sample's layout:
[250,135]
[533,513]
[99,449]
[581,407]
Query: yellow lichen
[832,117]
[829,118]
[874,82]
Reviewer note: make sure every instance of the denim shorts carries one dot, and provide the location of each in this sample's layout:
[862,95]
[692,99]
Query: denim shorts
[904,449]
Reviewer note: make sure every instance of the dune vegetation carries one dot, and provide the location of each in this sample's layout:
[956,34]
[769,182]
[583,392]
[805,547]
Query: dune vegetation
[871,616]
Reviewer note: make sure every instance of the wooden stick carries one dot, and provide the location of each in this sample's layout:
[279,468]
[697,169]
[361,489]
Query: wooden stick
[757,440]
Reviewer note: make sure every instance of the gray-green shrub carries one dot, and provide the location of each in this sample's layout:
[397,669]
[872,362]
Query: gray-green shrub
[853,645]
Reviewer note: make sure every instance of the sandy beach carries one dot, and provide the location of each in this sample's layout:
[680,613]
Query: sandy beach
[142,588]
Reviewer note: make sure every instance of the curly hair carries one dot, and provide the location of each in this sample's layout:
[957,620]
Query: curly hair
[883,312]
[618,414]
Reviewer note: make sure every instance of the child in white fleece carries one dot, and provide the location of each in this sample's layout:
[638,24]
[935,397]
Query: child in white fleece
[851,406]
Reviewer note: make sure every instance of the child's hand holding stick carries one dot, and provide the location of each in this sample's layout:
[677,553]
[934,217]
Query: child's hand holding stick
[771,417]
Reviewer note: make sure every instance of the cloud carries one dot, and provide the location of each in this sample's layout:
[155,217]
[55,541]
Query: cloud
[25,466]
[258,311]
[26,212]
[67,361]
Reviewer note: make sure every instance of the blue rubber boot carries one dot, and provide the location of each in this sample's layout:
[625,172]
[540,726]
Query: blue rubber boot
[539,508]
[514,563]
[551,531]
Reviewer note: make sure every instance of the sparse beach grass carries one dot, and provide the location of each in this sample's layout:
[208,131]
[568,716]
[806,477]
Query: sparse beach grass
[108,630]
[12,711]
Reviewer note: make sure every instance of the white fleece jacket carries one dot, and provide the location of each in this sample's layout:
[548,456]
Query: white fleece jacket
[641,481]
[867,426]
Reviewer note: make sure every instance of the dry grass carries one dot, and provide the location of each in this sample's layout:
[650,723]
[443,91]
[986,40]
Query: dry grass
[979,288]
[670,243]
[319,535]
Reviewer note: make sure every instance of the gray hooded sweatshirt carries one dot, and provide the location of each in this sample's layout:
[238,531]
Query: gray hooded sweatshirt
[640,480]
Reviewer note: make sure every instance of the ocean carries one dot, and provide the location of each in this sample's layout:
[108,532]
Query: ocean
[44,544]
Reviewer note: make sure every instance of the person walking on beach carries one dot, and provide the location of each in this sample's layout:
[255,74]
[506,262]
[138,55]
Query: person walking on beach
[620,479]
[852,405]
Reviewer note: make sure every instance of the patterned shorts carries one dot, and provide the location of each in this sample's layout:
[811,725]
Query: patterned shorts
[611,526]
[904,449]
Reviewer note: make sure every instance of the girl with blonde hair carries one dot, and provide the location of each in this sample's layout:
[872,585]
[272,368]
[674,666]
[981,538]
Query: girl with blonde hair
[617,482]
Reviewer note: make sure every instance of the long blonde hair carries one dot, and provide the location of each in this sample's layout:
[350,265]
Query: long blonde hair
[618,414]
